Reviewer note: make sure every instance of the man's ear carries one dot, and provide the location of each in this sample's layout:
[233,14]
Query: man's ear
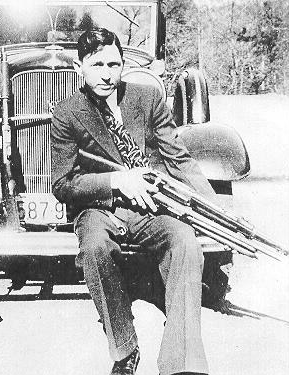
[77,64]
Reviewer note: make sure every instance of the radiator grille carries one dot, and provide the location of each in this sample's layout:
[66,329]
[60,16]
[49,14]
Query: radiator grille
[36,93]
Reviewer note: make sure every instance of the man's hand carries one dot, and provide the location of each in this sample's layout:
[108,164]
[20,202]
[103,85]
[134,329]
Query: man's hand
[133,186]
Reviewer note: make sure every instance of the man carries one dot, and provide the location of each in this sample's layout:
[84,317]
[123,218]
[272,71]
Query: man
[127,124]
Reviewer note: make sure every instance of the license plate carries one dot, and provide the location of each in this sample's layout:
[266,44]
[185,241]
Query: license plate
[43,209]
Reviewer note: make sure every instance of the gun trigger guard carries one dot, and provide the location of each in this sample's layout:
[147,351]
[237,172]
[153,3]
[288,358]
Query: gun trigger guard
[158,180]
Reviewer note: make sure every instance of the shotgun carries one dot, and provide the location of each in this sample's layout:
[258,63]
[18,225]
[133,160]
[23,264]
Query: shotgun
[178,200]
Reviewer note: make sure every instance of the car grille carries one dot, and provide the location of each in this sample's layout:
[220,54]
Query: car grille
[35,94]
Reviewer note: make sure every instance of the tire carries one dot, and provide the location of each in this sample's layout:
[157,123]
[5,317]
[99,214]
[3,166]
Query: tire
[191,99]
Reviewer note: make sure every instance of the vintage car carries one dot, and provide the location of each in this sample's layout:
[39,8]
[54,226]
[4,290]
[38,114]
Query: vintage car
[37,242]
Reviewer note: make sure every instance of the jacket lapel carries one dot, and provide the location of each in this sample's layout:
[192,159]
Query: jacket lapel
[132,114]
[90,118]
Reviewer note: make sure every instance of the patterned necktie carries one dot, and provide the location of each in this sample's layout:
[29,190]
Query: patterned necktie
[131,154]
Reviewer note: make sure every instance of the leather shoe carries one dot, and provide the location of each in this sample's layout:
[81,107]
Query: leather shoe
[128,365]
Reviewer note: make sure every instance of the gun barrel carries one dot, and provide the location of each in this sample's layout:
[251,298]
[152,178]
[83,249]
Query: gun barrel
[212,229]
[185,195]
[265,240]
[235,223]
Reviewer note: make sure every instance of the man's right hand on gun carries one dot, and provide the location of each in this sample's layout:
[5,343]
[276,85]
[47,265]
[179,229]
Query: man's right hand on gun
[131,185]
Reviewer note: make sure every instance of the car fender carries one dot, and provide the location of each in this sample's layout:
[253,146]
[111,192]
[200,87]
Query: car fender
[218,149]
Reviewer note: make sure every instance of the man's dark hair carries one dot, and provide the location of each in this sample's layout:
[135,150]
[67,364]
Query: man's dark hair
[92,41]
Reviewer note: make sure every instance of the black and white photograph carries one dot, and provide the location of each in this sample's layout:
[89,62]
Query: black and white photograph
[144,195]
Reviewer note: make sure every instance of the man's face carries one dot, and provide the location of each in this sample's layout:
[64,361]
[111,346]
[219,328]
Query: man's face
[102,70]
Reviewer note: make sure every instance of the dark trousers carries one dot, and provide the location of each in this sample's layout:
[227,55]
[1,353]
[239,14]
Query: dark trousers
[180,262]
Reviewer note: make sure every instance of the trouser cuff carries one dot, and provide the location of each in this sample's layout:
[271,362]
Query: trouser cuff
[121,352]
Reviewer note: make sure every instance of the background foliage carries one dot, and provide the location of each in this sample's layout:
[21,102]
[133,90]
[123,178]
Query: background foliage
[241,45]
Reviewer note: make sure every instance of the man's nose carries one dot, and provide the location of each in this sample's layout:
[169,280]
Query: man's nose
[105,74]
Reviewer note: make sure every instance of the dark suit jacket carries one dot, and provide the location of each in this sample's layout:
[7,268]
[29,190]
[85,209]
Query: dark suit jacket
[77,124]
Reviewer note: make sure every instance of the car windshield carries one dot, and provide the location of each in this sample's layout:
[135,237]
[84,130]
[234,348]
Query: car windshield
[133,21]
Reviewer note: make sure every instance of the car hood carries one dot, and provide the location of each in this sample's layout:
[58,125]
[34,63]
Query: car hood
[60,56]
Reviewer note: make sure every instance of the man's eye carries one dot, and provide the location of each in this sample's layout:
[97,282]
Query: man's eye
[114,65]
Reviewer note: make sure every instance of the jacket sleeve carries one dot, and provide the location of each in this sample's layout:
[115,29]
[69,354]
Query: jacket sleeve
[177,160]
[71,183]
